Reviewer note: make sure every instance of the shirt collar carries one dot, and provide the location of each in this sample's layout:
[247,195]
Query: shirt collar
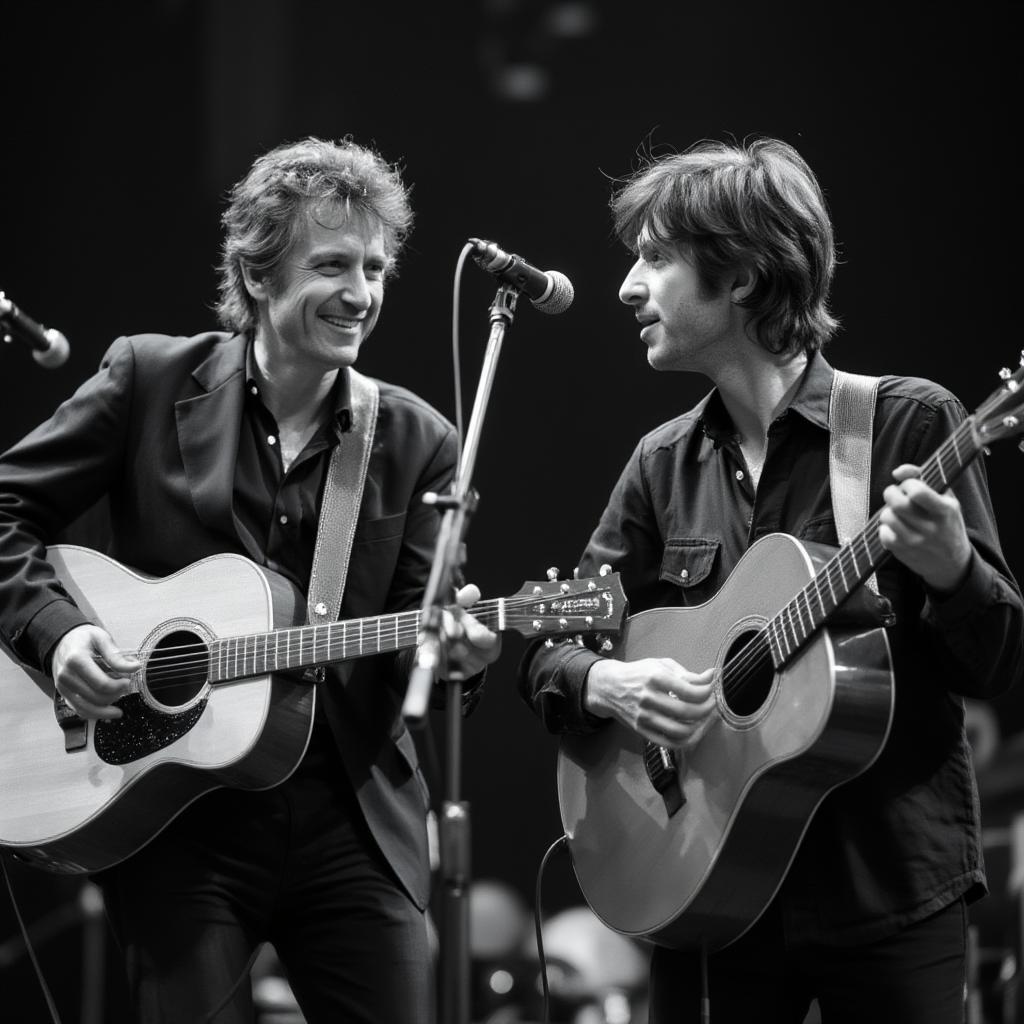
[342,392]
[811,401]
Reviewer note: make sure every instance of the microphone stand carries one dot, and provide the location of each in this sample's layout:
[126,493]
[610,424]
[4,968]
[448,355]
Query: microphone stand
[449,554]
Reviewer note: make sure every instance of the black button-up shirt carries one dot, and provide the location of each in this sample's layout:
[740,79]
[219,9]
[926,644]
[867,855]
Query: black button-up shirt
[278,510]
[903,839]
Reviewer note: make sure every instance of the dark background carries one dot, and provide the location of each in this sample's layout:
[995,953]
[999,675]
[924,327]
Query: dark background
[125,124]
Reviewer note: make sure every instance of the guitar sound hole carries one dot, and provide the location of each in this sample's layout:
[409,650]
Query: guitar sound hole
[178,668]
[747,674]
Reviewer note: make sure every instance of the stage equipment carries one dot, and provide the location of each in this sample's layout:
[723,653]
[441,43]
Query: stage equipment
[49,347]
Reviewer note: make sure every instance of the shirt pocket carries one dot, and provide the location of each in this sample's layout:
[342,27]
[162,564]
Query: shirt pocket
[369,531]
[821,529]
[688,562]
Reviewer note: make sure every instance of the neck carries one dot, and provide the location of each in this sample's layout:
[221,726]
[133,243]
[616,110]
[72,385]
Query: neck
[757,388]
[294,393]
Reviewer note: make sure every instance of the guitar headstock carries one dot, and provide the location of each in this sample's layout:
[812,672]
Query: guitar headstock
[1001,415]
[565,607]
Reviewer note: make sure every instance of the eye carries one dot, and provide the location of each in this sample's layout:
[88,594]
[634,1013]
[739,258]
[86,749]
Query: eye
[374,271]
[330,267]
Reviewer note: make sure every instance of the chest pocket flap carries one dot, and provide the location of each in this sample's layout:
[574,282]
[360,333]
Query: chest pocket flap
[687,561]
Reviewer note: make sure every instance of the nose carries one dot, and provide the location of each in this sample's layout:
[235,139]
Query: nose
[356,290]
[633,290]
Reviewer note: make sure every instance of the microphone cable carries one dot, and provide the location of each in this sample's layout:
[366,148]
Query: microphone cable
[537,923]
[29,949]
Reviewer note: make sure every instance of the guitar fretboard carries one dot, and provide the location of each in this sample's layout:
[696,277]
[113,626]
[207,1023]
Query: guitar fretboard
[790,629]
[299,647]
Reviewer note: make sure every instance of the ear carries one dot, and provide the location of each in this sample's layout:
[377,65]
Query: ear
[256,286]
[743,284]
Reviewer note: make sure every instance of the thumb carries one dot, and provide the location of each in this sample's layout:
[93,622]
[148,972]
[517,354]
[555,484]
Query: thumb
[468,595]
[118,660]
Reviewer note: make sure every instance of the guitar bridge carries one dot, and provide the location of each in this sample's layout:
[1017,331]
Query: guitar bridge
[663,771]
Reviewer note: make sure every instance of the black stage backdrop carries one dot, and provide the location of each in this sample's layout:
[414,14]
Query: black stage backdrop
[124,124]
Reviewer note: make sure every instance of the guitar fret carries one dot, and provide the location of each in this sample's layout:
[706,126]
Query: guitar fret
[773,641]
[821,600]
[955,441]
[785,635]
[793,624]
[842,574]
[867,550]
[853,558]
[808,613]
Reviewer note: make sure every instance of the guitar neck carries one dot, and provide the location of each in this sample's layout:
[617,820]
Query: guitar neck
[300,647]
[790,629]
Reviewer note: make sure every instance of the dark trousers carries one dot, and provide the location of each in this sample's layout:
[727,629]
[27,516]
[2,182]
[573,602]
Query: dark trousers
[914,977]
[294,866]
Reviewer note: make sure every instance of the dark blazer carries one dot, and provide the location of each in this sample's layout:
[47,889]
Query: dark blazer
[156,431]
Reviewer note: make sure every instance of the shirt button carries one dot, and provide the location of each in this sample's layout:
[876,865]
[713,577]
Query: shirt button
[254,390]
[271,439]
[739,474]
[685,574]
[283,520]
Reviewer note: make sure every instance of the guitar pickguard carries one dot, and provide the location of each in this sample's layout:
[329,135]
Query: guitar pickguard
[141,730]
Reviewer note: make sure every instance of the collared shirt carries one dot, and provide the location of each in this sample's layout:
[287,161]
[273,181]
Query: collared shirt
[278,510]
[902,840]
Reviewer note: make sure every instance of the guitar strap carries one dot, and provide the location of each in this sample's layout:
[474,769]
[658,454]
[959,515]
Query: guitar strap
[339,509]
[851,414]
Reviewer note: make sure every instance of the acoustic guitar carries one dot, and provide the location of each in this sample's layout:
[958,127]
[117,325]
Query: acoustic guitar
[687,848]
[220,699]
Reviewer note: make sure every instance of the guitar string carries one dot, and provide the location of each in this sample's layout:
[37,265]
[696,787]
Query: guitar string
[745,666]
[406,628]
[405,624]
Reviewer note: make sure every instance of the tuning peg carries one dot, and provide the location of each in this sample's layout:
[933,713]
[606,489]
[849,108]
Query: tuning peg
[549,643]
[576,573]
[1021,446]
[552,573]
[604,570]
[605,644]
[578,639]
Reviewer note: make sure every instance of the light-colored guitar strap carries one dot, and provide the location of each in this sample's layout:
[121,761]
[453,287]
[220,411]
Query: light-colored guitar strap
[851,414]
[339,509]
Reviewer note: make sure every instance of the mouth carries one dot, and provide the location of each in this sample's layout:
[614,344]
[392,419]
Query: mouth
[646,322]
[349,324]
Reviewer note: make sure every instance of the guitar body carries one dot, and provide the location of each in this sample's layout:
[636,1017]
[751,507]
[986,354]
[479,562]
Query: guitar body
[85,809]
[703,873]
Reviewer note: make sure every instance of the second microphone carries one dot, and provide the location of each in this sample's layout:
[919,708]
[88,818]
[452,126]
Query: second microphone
[548,290]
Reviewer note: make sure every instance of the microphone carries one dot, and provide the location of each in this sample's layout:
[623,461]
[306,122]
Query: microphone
[49,347]
[550,291]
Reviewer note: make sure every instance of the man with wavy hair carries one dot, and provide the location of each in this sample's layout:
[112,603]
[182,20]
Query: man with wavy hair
[735,257]
[222,442]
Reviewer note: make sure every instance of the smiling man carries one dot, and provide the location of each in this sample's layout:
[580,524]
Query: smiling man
[224,442]
[734,262]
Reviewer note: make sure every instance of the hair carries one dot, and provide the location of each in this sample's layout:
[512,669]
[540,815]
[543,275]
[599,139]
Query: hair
[267,208]
[757,205]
